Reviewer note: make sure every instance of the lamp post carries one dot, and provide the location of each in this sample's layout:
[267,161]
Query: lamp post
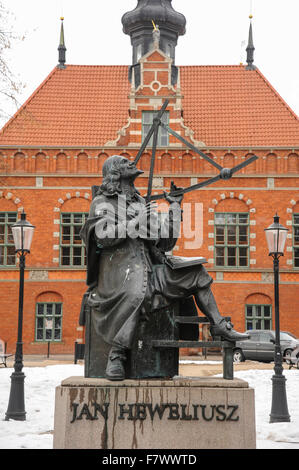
[276,235]
[22,232]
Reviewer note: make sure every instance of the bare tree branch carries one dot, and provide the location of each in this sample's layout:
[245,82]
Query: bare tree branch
[10,86]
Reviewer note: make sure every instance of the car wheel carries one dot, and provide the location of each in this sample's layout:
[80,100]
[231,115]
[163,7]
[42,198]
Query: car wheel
[238,356]
[287,355]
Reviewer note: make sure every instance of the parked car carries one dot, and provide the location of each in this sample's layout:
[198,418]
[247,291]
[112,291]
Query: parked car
[260,346]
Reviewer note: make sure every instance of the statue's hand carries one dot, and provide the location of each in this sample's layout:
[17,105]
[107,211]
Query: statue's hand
[146,222]
[171,198]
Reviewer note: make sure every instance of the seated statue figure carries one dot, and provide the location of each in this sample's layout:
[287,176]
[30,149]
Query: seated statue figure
[127,264]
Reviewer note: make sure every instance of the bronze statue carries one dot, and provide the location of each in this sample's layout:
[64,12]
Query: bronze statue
[127,264]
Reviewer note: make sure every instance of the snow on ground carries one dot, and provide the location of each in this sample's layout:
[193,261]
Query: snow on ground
[40,382]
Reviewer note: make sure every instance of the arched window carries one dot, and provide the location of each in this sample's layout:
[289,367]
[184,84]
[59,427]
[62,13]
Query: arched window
[82,163]
[48,317]
[61,166]
[19,162]
[40,163]
[258,312]
[187,163]
[166,163]
[271,163]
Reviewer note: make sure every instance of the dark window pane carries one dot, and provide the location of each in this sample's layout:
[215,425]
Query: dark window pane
[77,256]
[243,240]
[49,309]
[11,256]
[267,324]
[11,218]
[77,238]
[77,218]
[258,310]
[2,217]
[58,309]
[48,334]
[258,325]
[267,310]
[249,325]
[231,257]
[231,235]
[39,334]
[66,260]
[296,257]
[243,218]
[66,218]
[249,311]
[9,235]
[220,235]
[66,235]
[296,219]
[2,234]
[57,334]
[219,256]
[40,322]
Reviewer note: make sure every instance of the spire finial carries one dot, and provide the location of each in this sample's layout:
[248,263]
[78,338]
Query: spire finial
[250,48]
[156,35]
[61,47]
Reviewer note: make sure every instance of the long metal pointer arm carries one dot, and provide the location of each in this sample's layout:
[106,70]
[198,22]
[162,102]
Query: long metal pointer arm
[151,172]
[150,132]
[221,175]
[179,192]
[203,155]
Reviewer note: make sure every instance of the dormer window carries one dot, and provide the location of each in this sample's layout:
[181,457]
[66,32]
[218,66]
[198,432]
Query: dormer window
[147,121]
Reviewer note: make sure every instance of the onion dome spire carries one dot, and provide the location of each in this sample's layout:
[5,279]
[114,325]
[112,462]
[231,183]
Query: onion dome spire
[61,47]
[138,25]
[250,49]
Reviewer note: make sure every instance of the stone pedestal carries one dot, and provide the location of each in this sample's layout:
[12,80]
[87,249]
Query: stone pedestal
[181,413]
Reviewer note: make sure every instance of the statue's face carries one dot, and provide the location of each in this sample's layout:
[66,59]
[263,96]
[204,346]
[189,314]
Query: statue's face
[128,169]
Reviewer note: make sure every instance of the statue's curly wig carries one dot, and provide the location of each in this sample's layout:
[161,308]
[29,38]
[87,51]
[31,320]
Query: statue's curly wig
[111,176]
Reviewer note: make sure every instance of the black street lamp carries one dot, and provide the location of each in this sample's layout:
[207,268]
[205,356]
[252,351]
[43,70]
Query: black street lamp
[22,232]
[276,235]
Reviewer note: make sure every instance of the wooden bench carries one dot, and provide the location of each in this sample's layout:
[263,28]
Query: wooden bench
[3,355]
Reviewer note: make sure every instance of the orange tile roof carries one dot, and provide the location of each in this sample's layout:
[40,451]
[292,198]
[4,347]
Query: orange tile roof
[86,105]
[232,106]
[77,106]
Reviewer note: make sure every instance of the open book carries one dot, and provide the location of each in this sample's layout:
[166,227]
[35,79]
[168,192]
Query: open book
[177,262]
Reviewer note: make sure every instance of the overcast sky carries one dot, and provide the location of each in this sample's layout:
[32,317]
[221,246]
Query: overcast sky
[217,34]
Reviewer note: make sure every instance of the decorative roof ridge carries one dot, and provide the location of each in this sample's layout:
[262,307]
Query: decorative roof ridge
[275,92]
[213,66]
[24,105]
[96,65]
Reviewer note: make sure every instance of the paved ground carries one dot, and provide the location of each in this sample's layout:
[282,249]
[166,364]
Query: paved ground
[197,368]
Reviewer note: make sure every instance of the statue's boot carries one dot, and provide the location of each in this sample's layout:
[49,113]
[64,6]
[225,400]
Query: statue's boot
[115,369]
[206,302]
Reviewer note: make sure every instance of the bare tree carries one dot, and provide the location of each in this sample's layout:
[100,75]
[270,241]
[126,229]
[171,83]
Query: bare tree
[10,86]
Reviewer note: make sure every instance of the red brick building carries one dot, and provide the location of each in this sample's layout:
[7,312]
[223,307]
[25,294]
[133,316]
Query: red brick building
[53,149]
